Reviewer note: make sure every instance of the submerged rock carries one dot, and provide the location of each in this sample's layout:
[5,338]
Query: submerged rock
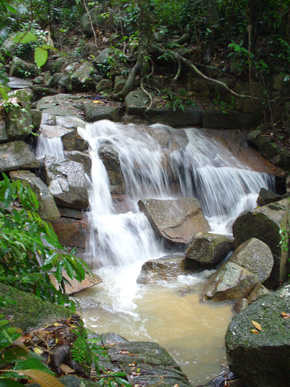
[260,357]
[177,221]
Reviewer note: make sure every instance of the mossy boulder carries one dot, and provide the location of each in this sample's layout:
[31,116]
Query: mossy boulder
[265,223]
[26,311]
[261,357]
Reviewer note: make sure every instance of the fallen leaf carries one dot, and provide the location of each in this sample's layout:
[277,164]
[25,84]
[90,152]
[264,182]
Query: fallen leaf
[38,351]
[98,101]
[257,325]
[66,369]
[285,315]
[255,331]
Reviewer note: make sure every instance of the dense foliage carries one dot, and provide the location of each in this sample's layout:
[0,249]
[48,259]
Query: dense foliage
[30,252]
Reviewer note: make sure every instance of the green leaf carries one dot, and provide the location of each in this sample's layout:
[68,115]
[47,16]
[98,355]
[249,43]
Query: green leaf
[32,364]
[25,37]
[48,47]
[69,268]
[3,93]
[40,56]
[5,382]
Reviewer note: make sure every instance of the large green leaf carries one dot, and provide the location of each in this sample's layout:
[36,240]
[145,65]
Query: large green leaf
[40,56]
[25,37]
[5,382]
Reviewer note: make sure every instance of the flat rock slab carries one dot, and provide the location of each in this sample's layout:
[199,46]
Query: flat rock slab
[175,220]
[76,286]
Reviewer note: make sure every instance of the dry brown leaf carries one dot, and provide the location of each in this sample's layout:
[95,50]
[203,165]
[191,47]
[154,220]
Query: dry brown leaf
[257,325]
[285,315]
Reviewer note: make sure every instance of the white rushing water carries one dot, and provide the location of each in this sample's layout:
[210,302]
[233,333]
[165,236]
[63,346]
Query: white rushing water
[160,162]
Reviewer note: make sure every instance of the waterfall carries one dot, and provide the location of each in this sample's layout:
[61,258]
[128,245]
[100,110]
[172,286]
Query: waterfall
[161,162]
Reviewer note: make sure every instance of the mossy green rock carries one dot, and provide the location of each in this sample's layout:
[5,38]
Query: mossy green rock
[28,311]
[261,359]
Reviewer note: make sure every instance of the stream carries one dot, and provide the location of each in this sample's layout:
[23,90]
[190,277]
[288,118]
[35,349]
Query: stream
[158,161]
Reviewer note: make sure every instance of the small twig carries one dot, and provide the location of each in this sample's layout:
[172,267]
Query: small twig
[91,22]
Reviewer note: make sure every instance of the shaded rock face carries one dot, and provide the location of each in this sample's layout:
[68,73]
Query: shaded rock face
[71,232]
[208,249]
[264,223]
[66,182]
[28,311]
[48,209]
[255,256]
[177,221]
[230,282]
[261,359]
[16,155]
[162,269]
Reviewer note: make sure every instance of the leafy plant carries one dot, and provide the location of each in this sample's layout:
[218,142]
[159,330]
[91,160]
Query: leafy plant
[30,252]
[177,101]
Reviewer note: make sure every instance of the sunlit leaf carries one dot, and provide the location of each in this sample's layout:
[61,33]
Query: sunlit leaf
[40,56]
[285,315]
[42,378]
[25,37]
[257,325]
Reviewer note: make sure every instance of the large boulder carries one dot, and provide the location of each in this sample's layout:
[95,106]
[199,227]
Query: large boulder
[20,68]
[177,221]
[28,311]
[47,209]
[71,232]
[67,182]
[255,256]
[230,282]
[208,249]
[265,223]
[261,356]
[167,269]
[17,155]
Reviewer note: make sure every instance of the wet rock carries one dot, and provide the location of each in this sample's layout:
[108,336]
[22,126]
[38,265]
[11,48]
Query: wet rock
[71,232]
[167,269]
[179,118]
[177,221]
[74,285]
[111,161]
[72,141]
[96,112]
[152,361]
[208,249]
[28,311]
[255,256]
[66,182]
[16,155]
[230,282]
[48,209]
[258,292]
[264,223]
[215,119]
[261,359]
[82,158]
[266,197]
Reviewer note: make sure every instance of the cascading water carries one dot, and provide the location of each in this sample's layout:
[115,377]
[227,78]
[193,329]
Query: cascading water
[160,162]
